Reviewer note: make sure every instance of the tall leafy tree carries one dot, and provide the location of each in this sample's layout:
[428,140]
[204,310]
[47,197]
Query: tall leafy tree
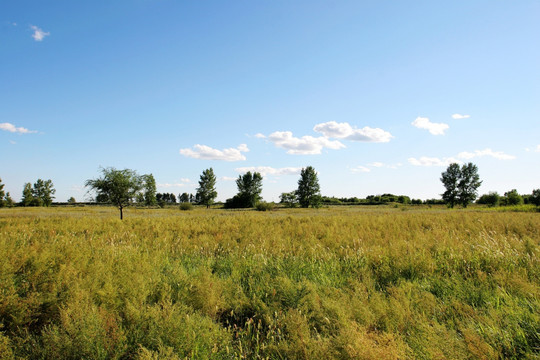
[468,185]
[512,197]
[183,198]
[535,197]
[118,187]
[27,195]
[309,191]
[450,179]
[206,192]
[2,194]
[149,190]
[461,184]
[43,192]
[249,188]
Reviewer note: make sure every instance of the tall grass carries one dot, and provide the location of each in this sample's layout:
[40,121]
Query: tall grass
[290,284]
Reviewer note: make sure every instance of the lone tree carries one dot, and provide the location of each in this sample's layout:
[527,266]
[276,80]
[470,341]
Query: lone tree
[206,192]
[450,179]
[27,195]
[43,192]
[2,194]
[461,184]
[118,187]
[149,190]
[309,191]
[535,197]
[249,191]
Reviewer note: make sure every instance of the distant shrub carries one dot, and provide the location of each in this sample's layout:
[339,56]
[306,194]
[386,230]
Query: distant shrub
[491,199]
[265,206]
[186,206]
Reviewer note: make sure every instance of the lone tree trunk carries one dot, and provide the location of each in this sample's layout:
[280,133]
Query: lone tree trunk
[121,213]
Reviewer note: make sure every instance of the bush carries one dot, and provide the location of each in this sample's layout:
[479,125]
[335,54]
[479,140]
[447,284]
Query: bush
[186,206]
[266,206]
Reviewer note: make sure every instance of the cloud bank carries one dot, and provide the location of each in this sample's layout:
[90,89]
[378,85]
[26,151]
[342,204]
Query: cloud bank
[486,152]
[345,131]
[207,153]
[432,161]
[267,170]
[306,145]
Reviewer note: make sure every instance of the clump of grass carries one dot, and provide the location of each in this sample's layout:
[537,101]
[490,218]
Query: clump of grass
[265,206]
[186,206]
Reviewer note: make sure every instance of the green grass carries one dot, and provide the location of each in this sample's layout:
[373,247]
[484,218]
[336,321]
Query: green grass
[344,283]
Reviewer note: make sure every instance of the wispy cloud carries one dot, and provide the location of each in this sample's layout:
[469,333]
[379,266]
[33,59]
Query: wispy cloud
[376,164]
[459,116]
[12,128]
[306,145]
[38,34]
[537,148]
[207,153]
[433,128]
[171,185]
[360,169]
[486,152]
[12,142]
[432,161]
[333,129]
[267,170]
[227,178]
[260,136]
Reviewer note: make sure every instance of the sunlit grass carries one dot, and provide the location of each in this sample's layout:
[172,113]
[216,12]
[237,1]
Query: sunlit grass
[345,282]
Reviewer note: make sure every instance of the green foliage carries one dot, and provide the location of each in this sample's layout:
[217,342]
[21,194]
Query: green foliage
[308,192]
[512,198]
[265,206]
[468,185]
[119,187]
[183,198]
[2,195]
[149,190]
[72,200]
[343,283]
[27,195]
[43,192]
[461,184]
[490,199]
[8,201]
[535,197]
[249,188]
[165,199]
[186,206]
[206,192]
[289,199]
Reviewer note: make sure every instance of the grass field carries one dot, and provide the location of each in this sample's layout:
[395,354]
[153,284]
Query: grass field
[335,283]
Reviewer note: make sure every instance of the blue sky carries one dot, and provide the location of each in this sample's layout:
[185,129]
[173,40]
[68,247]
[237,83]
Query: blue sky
[378,96]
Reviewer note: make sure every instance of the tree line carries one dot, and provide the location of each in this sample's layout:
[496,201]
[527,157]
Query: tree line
[125,187]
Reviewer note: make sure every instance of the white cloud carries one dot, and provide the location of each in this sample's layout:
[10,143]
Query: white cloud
[38,34]
[169,185]
[486,152]
[459,116]
[306,145]
[360,169]
[260,136]
[267,170]
[12,142]
[376,164]
[345,131]
[12,128]
[185,180]
[227,178]
[432,161]
[433,128]
[207,153]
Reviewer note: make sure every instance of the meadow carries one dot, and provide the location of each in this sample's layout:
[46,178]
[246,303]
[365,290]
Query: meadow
[333,283]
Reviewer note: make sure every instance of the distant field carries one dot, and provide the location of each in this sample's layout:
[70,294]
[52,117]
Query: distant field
[334,283]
